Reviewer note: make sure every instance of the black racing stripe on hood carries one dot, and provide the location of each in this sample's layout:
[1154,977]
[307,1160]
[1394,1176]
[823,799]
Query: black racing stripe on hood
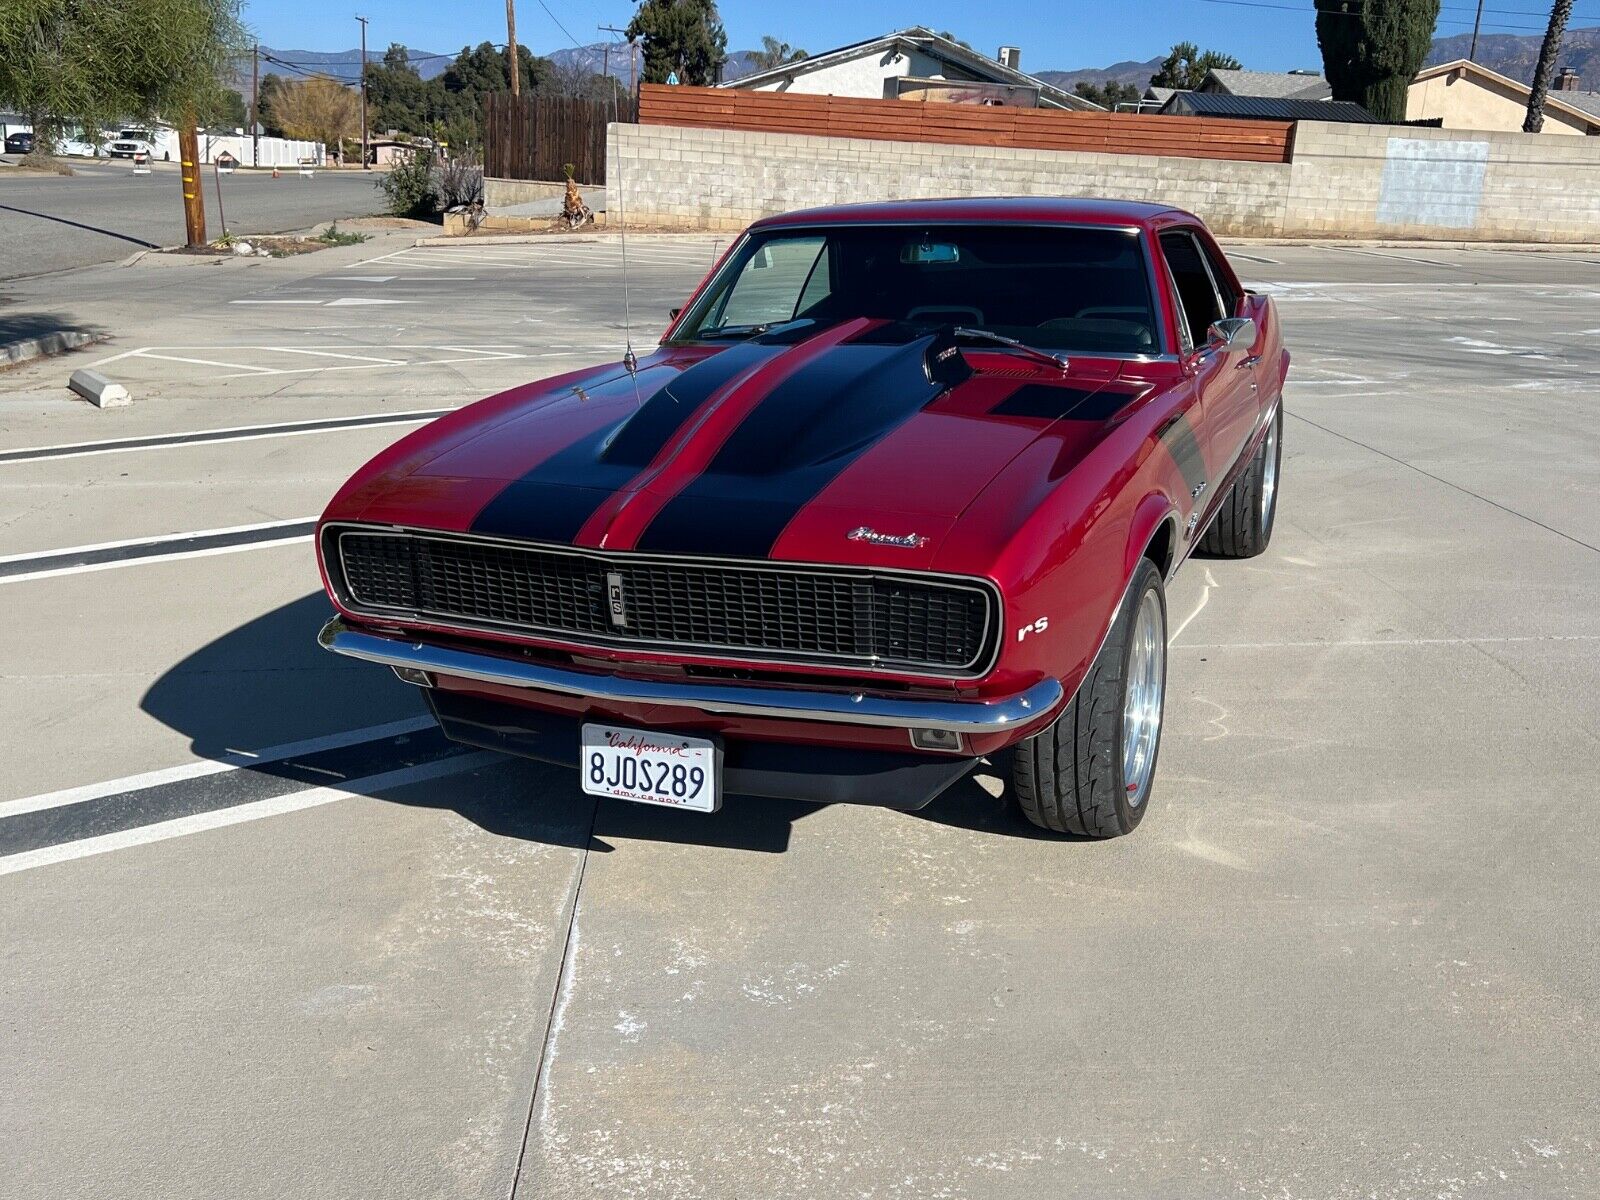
[1052,402]
[802,436]
[554,500]
[642,435]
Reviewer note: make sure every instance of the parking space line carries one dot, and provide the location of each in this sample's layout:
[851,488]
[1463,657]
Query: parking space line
[238,433]
[1427,262]
[234,760]
[240,813]
[74,560]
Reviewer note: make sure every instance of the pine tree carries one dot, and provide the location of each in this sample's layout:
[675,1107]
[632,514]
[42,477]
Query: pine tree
[684,37]
[1187,67]
[1371,50]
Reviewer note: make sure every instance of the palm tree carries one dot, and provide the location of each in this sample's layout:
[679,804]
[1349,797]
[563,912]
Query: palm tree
[1560,14]
[774,53]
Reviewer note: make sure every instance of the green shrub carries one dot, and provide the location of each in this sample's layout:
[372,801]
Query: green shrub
[411,187]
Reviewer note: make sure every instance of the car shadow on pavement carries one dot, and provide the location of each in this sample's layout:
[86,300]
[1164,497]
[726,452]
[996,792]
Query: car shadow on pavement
[267,683]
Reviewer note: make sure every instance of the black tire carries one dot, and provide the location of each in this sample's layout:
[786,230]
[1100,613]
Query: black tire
[1243,524]
[1069,777]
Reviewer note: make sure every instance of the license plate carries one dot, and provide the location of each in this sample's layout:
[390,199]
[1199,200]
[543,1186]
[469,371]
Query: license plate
[650,767]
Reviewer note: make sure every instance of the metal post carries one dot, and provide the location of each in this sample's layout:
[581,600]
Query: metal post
[511,47]
[363,21]
[255,106]
[216,175]
[194,201]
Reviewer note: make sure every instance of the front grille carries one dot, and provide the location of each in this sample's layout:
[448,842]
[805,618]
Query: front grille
[797,615]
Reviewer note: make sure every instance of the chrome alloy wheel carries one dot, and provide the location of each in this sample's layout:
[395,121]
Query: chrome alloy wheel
[1141,705]
[1269,472]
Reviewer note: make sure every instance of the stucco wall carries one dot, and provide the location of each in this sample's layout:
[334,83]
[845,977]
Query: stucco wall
[1468,103]
[1345,180]
[861,77]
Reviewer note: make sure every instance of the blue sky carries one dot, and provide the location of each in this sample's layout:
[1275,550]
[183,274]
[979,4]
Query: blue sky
[1061,35]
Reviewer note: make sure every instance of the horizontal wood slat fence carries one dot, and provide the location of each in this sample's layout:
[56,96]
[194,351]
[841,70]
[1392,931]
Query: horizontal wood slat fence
[534,137]
[915,121]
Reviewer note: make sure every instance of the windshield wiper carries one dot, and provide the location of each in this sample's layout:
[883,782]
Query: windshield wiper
[732,331]
[999,339]
[749,331]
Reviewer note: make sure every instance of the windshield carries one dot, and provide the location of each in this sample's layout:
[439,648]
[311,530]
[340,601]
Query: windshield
[1057,288]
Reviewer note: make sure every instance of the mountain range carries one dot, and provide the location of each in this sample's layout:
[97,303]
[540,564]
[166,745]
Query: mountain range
[1510,54]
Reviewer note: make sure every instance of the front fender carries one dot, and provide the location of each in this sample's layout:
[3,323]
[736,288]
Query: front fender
[1149,516]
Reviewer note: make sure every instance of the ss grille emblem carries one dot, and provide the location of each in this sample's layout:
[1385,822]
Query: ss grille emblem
[617,599]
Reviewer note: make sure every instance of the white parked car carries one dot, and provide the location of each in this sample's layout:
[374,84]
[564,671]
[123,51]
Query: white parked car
[134,141]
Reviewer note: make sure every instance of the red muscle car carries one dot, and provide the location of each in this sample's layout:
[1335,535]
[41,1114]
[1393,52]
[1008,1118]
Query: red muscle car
[900,490]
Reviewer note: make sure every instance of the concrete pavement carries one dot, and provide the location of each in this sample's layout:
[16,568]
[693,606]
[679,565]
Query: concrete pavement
[1346,955]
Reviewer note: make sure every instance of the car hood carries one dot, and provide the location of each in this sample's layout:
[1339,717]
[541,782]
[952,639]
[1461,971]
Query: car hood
[860,443]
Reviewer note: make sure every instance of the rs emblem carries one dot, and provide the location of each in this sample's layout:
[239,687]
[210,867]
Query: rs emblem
[617,599]
[1038,626]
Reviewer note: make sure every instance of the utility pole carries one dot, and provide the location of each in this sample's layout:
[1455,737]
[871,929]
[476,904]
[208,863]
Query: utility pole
[1472,51]
[363,21]
[194,203]
[255,106]
[605,63]
[511,47]
[633,86]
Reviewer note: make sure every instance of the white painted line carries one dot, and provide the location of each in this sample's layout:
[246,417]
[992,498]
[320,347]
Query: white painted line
[1427,262]
[157,539]
[1360,643]
[218,437]
[241,813]
[352,301]
[360,278]
[211,766]
[145,560]
[274,301]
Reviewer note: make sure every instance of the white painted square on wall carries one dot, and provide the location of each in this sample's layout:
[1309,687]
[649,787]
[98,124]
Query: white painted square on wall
[1432,183]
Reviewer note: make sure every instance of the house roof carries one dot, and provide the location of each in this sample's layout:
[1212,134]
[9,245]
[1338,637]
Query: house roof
[1221,104]
[1278,85]
[919,38]
[1583,105]
[1160,94]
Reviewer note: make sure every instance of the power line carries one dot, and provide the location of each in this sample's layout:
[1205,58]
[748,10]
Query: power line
[560,26]
[1311,12]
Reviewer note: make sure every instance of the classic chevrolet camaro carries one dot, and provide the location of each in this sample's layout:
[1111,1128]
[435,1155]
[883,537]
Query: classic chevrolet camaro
[900,490]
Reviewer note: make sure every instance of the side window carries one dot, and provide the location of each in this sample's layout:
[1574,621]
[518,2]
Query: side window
[774,282]
[1220,275]
[1192,281]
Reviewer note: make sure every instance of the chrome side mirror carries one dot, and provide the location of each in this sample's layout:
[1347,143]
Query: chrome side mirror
[1232,333]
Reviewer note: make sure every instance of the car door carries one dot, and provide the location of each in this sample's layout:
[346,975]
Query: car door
[1224,377]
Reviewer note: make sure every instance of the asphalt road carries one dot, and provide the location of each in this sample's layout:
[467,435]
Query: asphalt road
[104,212]
[266,935]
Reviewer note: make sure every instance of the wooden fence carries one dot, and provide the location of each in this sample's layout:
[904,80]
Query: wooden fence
[912,121]
[534,137]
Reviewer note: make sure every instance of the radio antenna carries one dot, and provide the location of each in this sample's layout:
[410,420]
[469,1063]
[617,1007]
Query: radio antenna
[630,361]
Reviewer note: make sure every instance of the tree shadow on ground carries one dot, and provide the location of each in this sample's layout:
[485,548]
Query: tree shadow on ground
[267,683]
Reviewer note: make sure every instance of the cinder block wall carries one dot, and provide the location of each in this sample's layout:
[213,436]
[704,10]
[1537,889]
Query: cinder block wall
[724,179]
[1387,181]
[1345,180]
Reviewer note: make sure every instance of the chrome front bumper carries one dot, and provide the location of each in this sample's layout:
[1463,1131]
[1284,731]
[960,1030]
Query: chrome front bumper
[748,700]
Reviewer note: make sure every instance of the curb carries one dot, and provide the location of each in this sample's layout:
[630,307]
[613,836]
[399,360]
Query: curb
[1417,244]
[603,234]
[56,342]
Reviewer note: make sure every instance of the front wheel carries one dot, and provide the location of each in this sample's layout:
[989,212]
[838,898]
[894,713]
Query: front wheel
[1090,772]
